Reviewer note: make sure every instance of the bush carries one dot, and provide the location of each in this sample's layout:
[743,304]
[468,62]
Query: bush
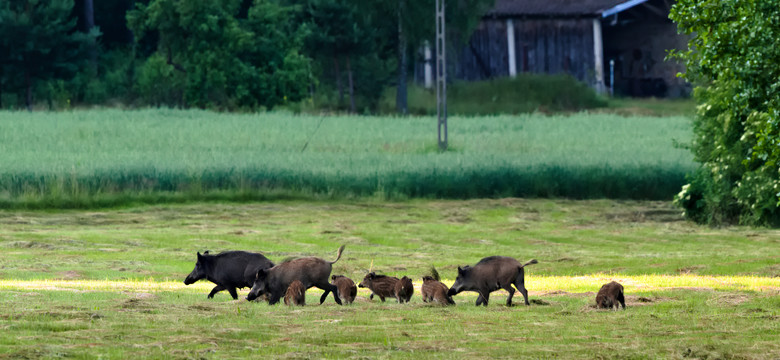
[735,61]
[158,83]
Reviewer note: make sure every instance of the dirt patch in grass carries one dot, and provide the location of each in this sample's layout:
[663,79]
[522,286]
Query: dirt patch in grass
[30,245]
[732,299]
[657,212]
[690,269]
[68,275]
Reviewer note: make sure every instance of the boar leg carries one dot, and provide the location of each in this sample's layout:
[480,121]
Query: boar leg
[328,287]
[272,299]
[483,299]
[215,290]
[233,293]
[324,296]
[511,292]
[622,300]
[520,285]
[381,297]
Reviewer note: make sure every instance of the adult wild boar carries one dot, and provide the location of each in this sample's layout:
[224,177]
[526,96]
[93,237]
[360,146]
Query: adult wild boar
[311,271]
[380,285]
[611,294]
[347,289]
[404,290]
[229,270]
[295,294]
[435,290]
[490,274]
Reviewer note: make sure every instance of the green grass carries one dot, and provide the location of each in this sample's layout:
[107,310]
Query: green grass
[111,157]
[89,284]
[527,93]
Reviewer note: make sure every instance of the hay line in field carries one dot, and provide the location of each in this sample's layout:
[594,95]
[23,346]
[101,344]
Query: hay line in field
[575,284]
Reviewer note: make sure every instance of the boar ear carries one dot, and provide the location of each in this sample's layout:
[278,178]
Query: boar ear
[460,270]
[199,255]
[261,273]
[206,252]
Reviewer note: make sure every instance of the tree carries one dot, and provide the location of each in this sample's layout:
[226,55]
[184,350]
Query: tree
[39,43]
[227,61]
[734,59]
[337,34]
[413,22]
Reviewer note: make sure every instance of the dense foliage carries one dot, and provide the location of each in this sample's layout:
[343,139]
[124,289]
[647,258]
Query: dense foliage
[735,60]
[229,55]
[220,60]
[38,41]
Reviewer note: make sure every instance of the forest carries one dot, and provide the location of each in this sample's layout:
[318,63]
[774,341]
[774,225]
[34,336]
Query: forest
[235,55]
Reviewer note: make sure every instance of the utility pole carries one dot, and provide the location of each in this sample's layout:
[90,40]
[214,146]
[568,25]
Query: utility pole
[441,75]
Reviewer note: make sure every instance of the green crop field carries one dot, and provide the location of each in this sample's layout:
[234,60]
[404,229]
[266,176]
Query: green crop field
[93,158]
[108,284]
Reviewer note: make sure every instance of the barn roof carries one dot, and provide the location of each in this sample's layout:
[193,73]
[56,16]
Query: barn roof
[561,8]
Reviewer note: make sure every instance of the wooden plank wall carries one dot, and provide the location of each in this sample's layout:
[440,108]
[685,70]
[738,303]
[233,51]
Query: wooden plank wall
[541,46]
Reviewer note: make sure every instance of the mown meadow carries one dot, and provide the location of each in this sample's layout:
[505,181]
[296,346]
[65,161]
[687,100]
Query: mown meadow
[93,158]
[108,283]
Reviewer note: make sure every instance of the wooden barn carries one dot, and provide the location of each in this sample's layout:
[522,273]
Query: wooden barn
[613,45]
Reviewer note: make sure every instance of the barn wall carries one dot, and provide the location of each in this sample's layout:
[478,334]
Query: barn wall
[639,50]
[541,46]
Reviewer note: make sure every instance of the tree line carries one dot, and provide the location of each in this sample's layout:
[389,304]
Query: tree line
[216,54]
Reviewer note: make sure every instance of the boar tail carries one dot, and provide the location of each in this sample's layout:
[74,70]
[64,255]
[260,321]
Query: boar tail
[435,274]
[338,256]
[533,261]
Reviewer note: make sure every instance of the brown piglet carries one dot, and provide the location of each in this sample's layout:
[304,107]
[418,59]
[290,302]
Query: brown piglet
[347,289]
[296,294]
[404,290]
[380,285]
[611,295]
[434,290]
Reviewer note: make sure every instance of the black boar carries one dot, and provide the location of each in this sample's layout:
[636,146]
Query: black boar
[229,270]
[490,274]
[296,294]
[310,271]
[380,285]
[347,289]
[434,290]
[611,294]
[403,290]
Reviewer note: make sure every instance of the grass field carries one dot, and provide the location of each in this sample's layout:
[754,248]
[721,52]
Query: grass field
[107,284]
[96,158]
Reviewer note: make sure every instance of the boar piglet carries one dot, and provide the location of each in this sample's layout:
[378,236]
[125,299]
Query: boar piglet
[490,274]
[434,290]
[380,285]
[404,290]
[296,294]
[611,294]
[347,288]
[310,271]
[229,270]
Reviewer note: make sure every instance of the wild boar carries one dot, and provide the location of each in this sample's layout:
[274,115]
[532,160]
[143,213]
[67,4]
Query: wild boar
[347,288]
[490,274]
[310,271]
[380,285]
[403,290]
[296,294]
[434,290]
[229,270]
[611,294]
